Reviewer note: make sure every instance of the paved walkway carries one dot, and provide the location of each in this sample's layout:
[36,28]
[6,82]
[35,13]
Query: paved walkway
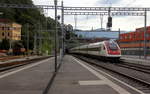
[74,77]
[30,79]
[77,77]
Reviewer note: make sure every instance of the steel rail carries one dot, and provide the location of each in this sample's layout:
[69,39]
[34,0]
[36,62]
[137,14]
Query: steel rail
[12,65]
[143,82]
[135,67]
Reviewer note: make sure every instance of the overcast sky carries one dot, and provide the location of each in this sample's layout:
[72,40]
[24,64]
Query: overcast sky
[87,22]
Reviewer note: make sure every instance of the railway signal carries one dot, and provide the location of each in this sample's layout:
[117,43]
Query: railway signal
[109,23]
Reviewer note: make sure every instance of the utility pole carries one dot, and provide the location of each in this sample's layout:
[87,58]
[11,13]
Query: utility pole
[62,27]
[139,52]
[101,20]
[35,43]
[119,36]
[109,23]
[145,36]
[41,39]
[27,39]
[75,19]
[10,46]
[55,3]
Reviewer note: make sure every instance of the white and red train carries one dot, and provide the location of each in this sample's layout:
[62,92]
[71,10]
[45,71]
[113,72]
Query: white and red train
[105,49]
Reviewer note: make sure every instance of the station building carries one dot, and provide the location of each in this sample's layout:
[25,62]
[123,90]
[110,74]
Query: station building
[132,43]
[10,30]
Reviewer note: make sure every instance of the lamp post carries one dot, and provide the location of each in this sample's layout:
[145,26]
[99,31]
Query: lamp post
[55,3]
[62,27]
[27,39]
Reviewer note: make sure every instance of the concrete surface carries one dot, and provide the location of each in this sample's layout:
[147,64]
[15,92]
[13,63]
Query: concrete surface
[76,78]
[27,80]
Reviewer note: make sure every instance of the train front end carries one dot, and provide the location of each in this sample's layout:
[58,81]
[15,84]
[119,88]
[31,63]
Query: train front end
[113,50]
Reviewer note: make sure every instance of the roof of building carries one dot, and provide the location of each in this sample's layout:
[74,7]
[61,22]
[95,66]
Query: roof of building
[7,21]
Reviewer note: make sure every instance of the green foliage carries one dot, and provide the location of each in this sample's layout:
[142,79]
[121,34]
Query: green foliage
[33,17]
[4,45]
[46,46]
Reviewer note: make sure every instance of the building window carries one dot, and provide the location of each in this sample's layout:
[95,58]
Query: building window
[121,37]
[15,28]
[134,35]
[8,34]
[8,28]
[130,36]
[3,34]
[3,28]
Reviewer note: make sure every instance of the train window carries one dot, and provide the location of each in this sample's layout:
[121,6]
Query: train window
[112,46]
[100,48]
[3,28]
[103,47]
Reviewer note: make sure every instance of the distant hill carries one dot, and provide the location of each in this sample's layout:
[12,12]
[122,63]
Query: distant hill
[99,33]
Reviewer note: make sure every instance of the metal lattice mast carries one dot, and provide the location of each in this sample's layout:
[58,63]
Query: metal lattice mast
[145,36]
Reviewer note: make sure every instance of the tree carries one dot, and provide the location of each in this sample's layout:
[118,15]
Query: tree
[4,45]
[31,16]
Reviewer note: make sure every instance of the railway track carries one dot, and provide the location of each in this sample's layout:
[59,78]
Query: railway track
[138,67]
[10,58]
[134,77]
[12,65]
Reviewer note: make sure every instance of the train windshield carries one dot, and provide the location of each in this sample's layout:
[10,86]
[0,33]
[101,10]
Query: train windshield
[112,46]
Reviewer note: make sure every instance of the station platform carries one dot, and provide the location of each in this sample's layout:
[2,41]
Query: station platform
[73,77]
[28,79]
[77,77]
[136,59]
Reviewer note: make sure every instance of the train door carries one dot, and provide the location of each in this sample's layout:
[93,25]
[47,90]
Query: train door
[100,49]
[103,50]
